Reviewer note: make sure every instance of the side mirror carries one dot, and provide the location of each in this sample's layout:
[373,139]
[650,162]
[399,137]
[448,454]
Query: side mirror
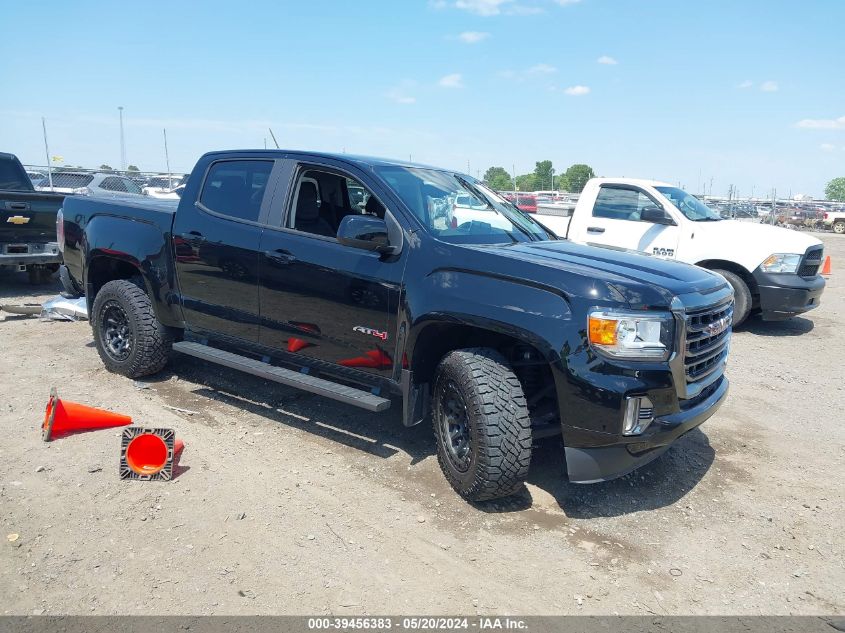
[656,215]
[366,232]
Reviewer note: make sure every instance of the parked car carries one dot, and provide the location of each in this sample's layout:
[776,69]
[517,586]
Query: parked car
[165,194]
[524,201]
[501,335]
[100,184]
[158,185]
[835,220]
[772,271]
[27,223]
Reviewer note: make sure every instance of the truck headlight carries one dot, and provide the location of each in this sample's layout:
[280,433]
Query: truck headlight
[781,263]
[632,335]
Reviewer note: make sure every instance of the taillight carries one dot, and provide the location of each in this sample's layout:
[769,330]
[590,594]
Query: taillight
[825,215]
[60,230]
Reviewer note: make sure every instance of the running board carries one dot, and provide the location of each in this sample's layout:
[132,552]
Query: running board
[342,393]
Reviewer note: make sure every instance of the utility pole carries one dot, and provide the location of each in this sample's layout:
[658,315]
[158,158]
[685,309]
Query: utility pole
[47,152]
[122,141]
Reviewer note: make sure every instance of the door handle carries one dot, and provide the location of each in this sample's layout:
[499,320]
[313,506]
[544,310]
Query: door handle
[17,206]
[195,237]
[595,229]
[280,256]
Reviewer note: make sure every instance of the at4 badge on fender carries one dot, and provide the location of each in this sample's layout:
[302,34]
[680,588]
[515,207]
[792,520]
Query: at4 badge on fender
[370,331]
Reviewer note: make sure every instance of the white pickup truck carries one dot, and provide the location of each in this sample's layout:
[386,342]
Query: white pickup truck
[773,271]
[835,220]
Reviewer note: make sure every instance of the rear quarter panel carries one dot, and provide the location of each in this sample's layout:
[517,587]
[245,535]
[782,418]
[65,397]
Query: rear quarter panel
[139,235]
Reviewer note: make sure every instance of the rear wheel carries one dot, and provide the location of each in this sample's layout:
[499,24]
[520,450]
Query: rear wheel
[481,424]
[742,295]
[839,227]
[129,338]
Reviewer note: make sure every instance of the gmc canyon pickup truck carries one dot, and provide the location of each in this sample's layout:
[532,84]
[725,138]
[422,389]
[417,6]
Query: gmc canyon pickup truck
[773,271]
[27,223]
[503,334]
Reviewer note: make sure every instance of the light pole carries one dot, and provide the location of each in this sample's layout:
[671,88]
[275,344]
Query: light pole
[122,142]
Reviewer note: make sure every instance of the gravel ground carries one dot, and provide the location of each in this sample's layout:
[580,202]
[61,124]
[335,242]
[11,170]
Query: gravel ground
[285,503]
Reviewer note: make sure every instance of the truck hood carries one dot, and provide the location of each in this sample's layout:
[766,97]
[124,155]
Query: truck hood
[613,274]
[755,242]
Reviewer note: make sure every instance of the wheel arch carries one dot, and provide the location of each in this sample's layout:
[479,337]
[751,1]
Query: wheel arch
[737,269]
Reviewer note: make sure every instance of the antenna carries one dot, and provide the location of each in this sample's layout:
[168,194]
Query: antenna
[274,137]
[167,161]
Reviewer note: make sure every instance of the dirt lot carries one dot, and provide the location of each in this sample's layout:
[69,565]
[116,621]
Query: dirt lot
[287,503]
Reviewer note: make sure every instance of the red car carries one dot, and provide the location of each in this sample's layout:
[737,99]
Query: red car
[524,201]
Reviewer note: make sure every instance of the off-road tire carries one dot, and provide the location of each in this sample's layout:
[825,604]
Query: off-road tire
[742,296]
[499,428]
[839,227]
[150,341]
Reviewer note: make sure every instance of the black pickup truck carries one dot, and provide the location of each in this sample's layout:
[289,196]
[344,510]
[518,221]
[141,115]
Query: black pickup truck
[499,331]
[27,223]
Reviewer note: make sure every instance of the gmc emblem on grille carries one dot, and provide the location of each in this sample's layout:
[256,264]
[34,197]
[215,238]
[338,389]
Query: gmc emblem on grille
[717,327]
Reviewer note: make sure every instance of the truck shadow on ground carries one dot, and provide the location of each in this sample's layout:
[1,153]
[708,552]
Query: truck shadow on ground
[661,483]
[795,326]
[15,287]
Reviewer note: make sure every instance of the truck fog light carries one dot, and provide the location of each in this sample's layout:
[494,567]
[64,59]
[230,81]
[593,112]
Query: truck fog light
[639,413]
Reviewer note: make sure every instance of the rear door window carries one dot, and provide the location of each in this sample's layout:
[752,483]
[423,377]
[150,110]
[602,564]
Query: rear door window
[235,188]
[113,184]
[620,204]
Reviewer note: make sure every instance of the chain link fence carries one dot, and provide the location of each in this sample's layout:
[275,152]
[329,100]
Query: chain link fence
[105,180]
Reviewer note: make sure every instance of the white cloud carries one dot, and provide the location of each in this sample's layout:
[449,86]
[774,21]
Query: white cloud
[453,80]
[745,84]
[402,93]
[473,37]
[827,147]
[607,60]
[566,3]
[822,124]
[577,91]
[541,69]
[481,7]
[769,86]
[487,8]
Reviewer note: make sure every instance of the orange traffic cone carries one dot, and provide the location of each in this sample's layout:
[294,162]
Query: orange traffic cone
[149,454]
[63,416]
[826,267]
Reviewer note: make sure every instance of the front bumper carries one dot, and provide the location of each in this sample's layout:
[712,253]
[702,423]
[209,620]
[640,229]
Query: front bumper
[592,465]
[23,254]
[784,295]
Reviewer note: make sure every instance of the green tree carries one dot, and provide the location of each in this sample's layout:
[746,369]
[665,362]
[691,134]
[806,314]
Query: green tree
[527,182]
[132,168]
[543,171]
[498,179]
[577,176]
[835,189]
[105,167]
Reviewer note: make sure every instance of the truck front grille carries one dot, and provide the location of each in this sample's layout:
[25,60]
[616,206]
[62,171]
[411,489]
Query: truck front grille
[708,335]
[811,262]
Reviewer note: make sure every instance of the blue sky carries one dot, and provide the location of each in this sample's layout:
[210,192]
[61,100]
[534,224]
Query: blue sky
[750,93]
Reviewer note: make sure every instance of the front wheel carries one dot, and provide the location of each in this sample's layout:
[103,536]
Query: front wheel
[839,227]
[129,338]
[742,296]
[481,424]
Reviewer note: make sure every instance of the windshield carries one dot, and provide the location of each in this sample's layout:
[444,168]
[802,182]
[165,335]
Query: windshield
[459,209]
[689,205]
